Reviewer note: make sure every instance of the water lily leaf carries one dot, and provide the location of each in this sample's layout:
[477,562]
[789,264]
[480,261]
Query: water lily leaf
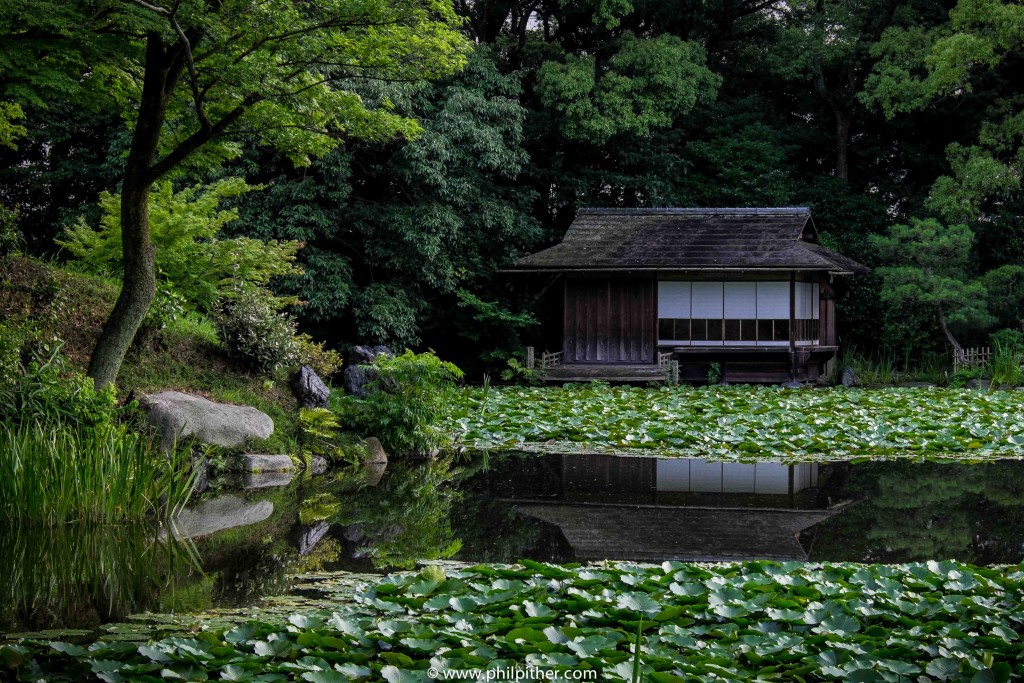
[235,673]
[392,674]
[943,668]
[327,676]
[591,645]
[305,621]
[638,602]
[536,609]
[840,623]
[530,635]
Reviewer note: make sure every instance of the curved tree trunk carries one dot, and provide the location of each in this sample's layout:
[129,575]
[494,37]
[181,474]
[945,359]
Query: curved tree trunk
[137,290]
[958,350]
[139,286]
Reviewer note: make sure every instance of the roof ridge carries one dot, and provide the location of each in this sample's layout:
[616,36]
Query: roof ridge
[695,211]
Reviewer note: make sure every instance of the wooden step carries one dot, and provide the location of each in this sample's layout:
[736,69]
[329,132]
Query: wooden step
[588,372]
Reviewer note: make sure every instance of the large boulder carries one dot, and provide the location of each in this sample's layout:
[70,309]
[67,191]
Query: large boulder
[848,378]
[358,373]
[309,390]
[177,416]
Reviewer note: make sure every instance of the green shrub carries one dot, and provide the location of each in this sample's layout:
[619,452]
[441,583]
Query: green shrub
[191,255]
[1010,339]
[324,362]
[37,384]
[411,398]
[255,332]
[1005,369]
[53,472]
[10,236]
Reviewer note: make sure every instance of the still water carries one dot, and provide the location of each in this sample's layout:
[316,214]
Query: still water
[244,541]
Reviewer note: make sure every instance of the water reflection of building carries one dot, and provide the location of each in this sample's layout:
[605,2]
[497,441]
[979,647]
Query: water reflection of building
[649,509]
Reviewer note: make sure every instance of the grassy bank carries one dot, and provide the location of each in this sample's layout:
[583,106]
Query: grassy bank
[184,355]
[939,621]
[746,422]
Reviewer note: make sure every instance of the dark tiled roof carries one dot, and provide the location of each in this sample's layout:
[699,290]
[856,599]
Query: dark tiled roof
[690,239]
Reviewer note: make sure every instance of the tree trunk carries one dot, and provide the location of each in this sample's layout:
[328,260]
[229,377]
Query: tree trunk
[139,285]
[843,117]
[958,350]
[137,290]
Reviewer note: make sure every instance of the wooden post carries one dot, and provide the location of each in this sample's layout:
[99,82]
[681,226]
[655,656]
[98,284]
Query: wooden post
[531,359]
[792,326]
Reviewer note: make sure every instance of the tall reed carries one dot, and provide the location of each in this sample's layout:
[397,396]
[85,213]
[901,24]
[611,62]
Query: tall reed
[53,473]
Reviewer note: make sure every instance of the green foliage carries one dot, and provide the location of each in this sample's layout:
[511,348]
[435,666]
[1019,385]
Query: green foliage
[840,621]
[320,434]
[1009,339]
[10,237]
[194,261]
[714,375]
[409,404]
[54,473]
[520,374]
[38,385]
[406,518]
[64,576]
[9,130]
[1006,368]
[933,269]
[277,68]
[918,67]
[1004,287]
[645,85]
[256,333]
[325,362]
[745,422]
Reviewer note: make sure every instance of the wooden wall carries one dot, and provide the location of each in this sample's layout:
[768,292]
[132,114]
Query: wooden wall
[609,320]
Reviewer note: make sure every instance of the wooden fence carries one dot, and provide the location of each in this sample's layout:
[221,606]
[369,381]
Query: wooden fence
[971,358]
[975,357]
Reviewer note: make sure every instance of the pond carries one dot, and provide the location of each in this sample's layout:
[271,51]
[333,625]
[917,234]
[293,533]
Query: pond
[236,546]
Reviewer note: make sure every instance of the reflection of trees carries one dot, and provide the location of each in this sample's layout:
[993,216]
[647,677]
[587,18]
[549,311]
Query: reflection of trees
[83,576]
[915,511]
[407,516]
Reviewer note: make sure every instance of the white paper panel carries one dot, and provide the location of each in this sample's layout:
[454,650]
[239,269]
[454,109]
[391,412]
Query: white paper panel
[816,298]
[740,300]
[673,299]
[673,474]
[802,304]
[772,477]
[705,477]
[707,300]
[738,477]
[773,300]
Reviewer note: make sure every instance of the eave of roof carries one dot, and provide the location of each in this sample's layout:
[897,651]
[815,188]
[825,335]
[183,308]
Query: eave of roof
[689,240]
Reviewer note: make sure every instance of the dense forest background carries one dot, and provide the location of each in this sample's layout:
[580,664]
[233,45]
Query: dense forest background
[875,113]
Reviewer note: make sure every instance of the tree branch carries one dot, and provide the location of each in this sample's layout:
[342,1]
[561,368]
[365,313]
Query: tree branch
[199,138]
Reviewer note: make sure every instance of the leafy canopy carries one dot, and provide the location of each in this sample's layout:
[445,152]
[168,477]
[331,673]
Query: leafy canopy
[274,68]
[644,85]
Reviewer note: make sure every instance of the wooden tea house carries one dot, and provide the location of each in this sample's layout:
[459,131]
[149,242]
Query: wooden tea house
[647,290]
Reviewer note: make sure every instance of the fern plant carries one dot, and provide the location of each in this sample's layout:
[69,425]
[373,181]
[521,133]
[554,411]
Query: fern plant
[410,399]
